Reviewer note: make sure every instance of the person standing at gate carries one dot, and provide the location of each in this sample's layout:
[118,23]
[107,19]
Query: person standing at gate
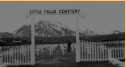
[68,44]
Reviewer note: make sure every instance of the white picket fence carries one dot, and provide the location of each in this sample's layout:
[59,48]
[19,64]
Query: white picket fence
[90,51]
[21,55]
[96,51]
[17,55]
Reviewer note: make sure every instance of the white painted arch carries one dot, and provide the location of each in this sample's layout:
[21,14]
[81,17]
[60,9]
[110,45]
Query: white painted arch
[77,12]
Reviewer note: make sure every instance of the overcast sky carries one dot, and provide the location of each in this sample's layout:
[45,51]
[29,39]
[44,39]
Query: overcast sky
[101,16]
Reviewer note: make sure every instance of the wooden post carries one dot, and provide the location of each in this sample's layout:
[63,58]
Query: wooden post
[109,53]
[1,56]
[77,40]
[32,41]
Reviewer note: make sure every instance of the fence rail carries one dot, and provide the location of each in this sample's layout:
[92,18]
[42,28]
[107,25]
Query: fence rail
[96,51]
[90,52]
[19,55]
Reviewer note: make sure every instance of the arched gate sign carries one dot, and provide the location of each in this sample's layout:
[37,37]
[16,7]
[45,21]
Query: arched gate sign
[77,12]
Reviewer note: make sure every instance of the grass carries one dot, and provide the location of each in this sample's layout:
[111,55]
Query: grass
[57,59]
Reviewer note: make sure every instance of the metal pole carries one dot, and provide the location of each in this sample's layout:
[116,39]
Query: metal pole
[77,40]
[33,41]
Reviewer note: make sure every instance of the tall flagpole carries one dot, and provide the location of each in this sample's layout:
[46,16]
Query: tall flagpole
[33,40]
[77,39]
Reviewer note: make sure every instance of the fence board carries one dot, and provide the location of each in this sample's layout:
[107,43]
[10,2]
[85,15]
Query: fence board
[96,51]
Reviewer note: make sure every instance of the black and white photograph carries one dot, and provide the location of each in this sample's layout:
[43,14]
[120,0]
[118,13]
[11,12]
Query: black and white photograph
[62,33]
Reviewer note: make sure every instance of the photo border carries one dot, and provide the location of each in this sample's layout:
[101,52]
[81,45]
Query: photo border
[72,0]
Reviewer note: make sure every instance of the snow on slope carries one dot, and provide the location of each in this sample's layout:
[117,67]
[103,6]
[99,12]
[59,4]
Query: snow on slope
[48,28]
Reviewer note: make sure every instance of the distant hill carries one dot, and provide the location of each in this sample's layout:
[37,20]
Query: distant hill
[115,32]
[108,37]
[6,35]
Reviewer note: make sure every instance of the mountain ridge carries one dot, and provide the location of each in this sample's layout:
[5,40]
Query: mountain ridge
[50,29]
[47,28]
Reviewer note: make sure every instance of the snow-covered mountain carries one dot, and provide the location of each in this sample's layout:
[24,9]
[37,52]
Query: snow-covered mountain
[115,32]
[48,28]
